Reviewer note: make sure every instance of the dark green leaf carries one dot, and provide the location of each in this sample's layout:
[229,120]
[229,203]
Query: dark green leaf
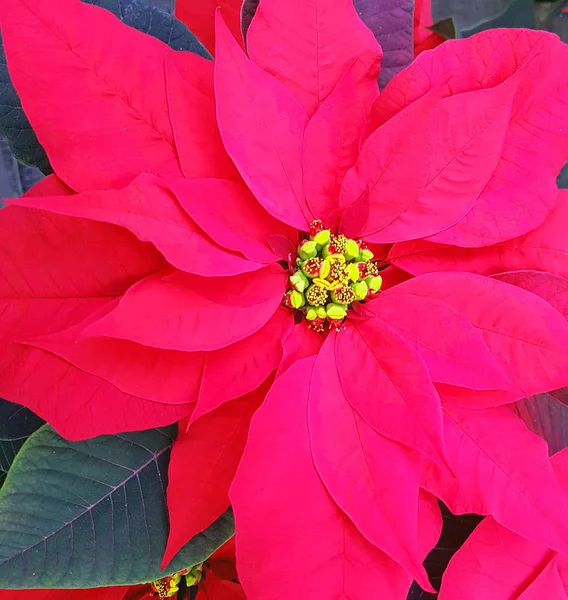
[454,533]
[17,423]
[472,17]
[155,22]
[446,28]
[14,125]
[92,513]
[562,180]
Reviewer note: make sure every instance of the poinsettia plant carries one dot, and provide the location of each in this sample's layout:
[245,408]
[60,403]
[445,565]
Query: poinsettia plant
[273,285]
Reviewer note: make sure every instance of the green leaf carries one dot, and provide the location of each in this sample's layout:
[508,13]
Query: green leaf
[93,513]
[14,125]
[17,423]
[472,17]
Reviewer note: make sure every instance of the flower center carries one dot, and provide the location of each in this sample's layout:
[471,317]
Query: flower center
[169,586]
[330,273]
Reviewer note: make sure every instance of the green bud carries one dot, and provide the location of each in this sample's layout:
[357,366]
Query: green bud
[320,310]
[322,238]
[335,311]
[365,256]
[307,250]
[299,281]
[324,269]
[351,250]
[311,313]
[297,299]
[353,272]
[374,283]
[360,288]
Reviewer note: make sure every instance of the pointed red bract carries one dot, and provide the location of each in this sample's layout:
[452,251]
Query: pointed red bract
[278,486]
[213,588]
[262,126]
[165,311]
[465,139]
[107,118]
[453,349]
[498,564]
[165,376]
[202,466]
[424,37]
[300,343]
[332,138]
[373,479]
[237,369]
[507,475]
[543,249]
[149,209]
[310,44]
[521,192]
[380,187]
[528,338]
[369,355]
[191,100]
[200,18]
[553,289]
[231,215]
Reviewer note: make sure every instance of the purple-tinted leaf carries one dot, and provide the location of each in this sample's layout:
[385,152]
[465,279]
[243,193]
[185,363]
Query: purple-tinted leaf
[247,13]
[547,416]
[392,23]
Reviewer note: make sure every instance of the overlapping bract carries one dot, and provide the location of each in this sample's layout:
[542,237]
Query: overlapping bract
[496,564]
[142,285]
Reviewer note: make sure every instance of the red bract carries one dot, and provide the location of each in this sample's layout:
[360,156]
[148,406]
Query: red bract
[214,226]
[496,564]
[424,37]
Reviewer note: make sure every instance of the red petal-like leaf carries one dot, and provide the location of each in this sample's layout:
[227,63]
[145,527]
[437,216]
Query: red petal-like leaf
[468,136]
[373,479]
[191,100]
[399,404]
[543,249]
[262,126]
[527,336]
[240,368]
[231,215]
[522,190]
[553,289]
[83,266]
[206,456]
[150,210]
[165,311]
[500,565]
[200,18]
[452,348]
[213,588]
[106,120]
[304,536]
[501,469]
[165,376]
[380,185]
[331,141]
[310,44]
[300,343]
